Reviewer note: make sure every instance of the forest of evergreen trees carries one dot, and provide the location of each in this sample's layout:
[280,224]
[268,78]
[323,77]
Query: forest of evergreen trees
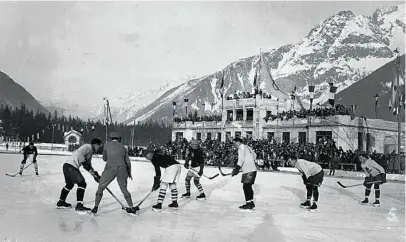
[21,124]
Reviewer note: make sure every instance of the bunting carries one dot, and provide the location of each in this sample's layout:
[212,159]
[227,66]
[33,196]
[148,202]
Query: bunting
[332,93]
[397,87]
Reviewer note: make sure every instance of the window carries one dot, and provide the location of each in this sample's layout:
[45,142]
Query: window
[323,135]
[229,115]
[360,141]
[286,137]
[208,136]
[239,115]
[302,137]
[250,114]
[268,113]
[270,135]
[219,136]
[72,139]
[249,134]
[238,134]
[199,136]
[228,136]
[179,136]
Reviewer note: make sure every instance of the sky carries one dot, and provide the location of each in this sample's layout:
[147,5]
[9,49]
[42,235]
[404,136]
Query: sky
[83,51]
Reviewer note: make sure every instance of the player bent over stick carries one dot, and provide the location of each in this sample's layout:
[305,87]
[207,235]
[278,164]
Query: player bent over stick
[195,155]
[81,157]
[169,178]
[117,165]
[375,175]
[29,150]
[246,162]
[312,175]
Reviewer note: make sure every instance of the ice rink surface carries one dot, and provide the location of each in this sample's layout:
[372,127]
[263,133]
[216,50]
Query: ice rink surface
[28,209]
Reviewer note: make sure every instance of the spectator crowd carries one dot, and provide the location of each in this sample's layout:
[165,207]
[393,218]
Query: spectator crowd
[271,154]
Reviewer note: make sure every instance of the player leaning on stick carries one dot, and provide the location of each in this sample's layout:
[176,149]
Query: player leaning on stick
[246,162]
[81,157]
[312,175]
[29,150]
[117,165]
[169,178]
[375,175]
[195,155]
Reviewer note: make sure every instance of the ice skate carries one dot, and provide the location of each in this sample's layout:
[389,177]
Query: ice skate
[63,204]
[174,205]
[80,209]
[95,209]
[247,207]
[201,197]
[376,203]
[313,207]
[186,195]
[305,204]
[132,210]
[157,207]
[365,202]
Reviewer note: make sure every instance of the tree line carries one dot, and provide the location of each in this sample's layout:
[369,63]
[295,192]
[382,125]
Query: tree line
[23,125]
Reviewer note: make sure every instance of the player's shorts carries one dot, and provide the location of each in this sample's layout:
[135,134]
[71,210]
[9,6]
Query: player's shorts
[171,174]
[249,178]
[30,157]
[192,173]
[317,179]
[72,174]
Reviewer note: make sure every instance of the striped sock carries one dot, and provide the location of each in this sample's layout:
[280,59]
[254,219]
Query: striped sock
[174,193]
[161,196]
[199,187]
[36,167]
[187,184]
[21,168]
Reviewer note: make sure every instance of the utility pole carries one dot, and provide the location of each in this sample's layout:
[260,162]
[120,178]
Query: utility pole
[132,136]
[53,128]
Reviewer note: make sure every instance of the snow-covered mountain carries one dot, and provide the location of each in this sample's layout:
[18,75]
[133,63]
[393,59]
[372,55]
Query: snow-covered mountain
[343,49]
[126,106]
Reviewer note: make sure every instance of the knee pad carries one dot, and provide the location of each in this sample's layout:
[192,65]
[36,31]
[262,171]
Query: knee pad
[82,184]
[172,186]
[196,181]
[188,178]
[69,186]
[163,186]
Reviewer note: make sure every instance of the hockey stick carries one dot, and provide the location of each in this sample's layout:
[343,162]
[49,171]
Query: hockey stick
[208,177]
[225,174]
[145,198]
[19,171]
[122,205]
[343,186]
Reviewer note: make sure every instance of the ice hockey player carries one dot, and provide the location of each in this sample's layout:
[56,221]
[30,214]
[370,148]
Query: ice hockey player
[81,157]
[29,151]
[246,162]
[117,165]
[375,175]
[312,175]
[169,178]
[195,156]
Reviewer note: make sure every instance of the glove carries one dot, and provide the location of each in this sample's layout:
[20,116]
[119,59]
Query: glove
[34,161]
[305,180]
[236,170]
[157,183]
[129,174]
[200,172]
[95,175]
[186,165]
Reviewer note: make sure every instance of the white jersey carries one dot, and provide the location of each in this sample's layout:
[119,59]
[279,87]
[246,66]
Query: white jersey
[83,154]
[246,159]
[307,168]
[371,168]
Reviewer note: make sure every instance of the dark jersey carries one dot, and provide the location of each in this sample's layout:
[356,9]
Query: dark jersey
[28,151]
[164,161]
[196,157]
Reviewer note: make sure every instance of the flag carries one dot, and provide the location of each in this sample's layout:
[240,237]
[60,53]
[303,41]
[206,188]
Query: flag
[376,99]
[311,92]
[59,126]
[255,84]
[174,108]
[222,85]
[352,114]
[332,93]
[38,135]
[397,87]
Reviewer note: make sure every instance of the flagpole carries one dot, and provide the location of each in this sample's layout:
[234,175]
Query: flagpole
[399,110]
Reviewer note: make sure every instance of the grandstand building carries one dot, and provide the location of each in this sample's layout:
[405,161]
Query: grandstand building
[251,118]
